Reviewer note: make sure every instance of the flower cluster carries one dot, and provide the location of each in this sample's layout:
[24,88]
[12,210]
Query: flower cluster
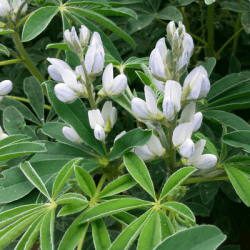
[6,8]
[5,88]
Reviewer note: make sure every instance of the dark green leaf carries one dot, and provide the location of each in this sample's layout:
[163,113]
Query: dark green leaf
[208,190]
[245,20]
[4,50]
[170,13]
[117,12]
[209,64]
[72,208]
[61,46]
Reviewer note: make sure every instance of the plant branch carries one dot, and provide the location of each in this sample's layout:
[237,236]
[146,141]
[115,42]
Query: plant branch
[13,61]
[100,185]
[198,179]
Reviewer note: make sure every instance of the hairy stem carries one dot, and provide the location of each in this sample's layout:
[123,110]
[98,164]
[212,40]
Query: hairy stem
[100,185]
[8,62]
[79,247]
[210,18]
[198,179]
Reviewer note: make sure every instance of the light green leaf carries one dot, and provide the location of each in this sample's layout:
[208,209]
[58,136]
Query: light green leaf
[124,218]
[88,2]
[180,209]
[61,46]
[85,181]
[151,233]
[13,139]
[72,208]
[206,238]
[34,91]
[167,228]
[139,171]
[176,180]
[123,183]
[112,207]
[6,31]
[105,22]
[209,64]
[130,233]
[243,168]
[144,79]
[38,22]
[100,235]
[4,50]
[209,145]
[63,176]
[71,198]
[47,230]
[170,13]
[132,139]
[34,178]
[240,183]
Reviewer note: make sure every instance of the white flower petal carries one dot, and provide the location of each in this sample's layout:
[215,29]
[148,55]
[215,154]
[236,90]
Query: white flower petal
[197,121]
[161,46]
[69,78]
[99,132]
[89,58]
[107,77]
[151,100]
[168,108]
[96,39]
[84,35]
[159,69]
[199,147]
[187,115]
[139,107]
[79,71]
[155,146]
[64,93]
[206,161]
[159,85]
[113,117]
[181,133]
[187,148]
[144,153]
[95,117]
[55,74]
[59,64]
[3,136]
[5,87]
[71,134]
[106,110]
[119,85]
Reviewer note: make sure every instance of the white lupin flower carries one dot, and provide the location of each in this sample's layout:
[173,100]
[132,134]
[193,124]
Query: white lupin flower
[64,93]
[109,114]
[56,68]
[151,100]
[161,46]
[197,121]
[188,44]
[5,87]
[144,153]
[139,107]
[70,79]
[94,59]
[71,134]
[181,133]
[80,72]
[54,73]
[99,132]
[84,35]
[183,61]
[199,147]
[95,117]
[187,148]
[196,85]
[4,8]
[96,39]
[72,40]
[113,86]
[2,134]
[172,99]
[159,85]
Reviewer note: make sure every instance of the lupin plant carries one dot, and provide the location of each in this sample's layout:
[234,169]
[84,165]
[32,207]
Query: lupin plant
[92,162]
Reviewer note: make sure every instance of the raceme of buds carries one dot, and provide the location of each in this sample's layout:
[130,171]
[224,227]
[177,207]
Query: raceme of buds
[151,150]
[73,41]
[64,93]
[200,161]
[5,8]
[71,134]
[2,134]
[196,85]
[104,120]
[5,88]
[148,109]
[172,99]
[84,36]
[112,86]
[94,59]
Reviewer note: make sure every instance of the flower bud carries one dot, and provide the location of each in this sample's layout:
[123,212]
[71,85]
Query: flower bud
[55,74]
[2,134]
[64,93]
[181,133]
[171,28]
[159,85]
[196,85]
[206,161]
[113,86]
[84,36]
[70,79]
[144,153]
[155,146]
[139,107]
[96,39]
[187,114]
[188,44]
[80,73]
[161,46]
[95,117]
[72,40]
[55,70]
[151,100]
[5,87]
[199,147]
[99,132]
[181,30]
[187,148]
[197,121]
[109,115]
[176,44]
[71,134]
[168,109]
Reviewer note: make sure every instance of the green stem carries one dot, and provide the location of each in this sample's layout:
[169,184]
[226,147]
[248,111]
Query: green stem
[228,41]
[25,100]
[8,62]
[100,185]
[236,28]
[198,179]
[22,21]
[210,18]
[79,247]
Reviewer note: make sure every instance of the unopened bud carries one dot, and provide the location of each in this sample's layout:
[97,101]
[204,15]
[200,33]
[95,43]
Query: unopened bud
[5,87]
[71,134]
[171,28]
[72,41]
[99,132]
[187,148]
[84,36]
[64,93]
[197,121]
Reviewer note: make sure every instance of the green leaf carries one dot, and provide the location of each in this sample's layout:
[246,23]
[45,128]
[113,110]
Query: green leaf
[245,20]
[71,198]
[117,12]
[170,13]
[85,181]
[228,119]
[123,183]
[73,235]
[209,64]
[61,46]
[38,22]
[151,233]
[47,231]
[63,176]
[4,50]
[176,180]
[240,183]
[138,63]
[15,185]
[75,114]
[72,208]
[234,65]
[166,226]
[238,139]
[117,3]
[208,190]
[244,169]
[233,6]
[206,238]
[34,178]
[100,235]
[137,168]
[87,2]
[209,145]
[34,91]
[130,233]
[241,159]
[124,218]
[20,149]
[144,79]
[30,236]
[132,139]
[112,207]
[6,31]
[11,232]
[180,209]
[23,109]
[105,22]
[13,214]
[13,139]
